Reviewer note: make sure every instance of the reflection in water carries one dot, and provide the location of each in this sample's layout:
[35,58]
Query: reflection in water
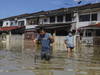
[17,55]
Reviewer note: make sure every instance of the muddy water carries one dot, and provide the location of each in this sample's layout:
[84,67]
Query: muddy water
[18,59]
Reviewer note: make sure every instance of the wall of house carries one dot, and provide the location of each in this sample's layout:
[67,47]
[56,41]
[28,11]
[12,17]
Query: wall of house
[6,23]
[86,23]
[75,19]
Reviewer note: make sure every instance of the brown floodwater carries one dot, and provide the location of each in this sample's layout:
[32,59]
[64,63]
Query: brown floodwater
[17,58]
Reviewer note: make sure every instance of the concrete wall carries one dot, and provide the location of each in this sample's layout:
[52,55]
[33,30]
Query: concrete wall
[59,43]
[14,42]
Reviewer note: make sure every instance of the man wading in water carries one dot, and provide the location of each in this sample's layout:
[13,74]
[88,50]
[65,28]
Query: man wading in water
[45,40]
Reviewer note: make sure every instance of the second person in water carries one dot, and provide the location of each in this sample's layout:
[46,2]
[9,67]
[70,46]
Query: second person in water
[69,41]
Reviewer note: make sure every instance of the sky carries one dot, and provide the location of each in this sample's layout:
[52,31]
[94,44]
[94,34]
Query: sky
[16,7]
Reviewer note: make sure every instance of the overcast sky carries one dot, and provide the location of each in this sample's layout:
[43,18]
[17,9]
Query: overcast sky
[16,7]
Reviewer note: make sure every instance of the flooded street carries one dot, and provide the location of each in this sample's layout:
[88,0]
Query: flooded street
[17,58]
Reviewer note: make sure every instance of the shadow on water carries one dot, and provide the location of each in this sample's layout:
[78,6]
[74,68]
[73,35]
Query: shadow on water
[17,58]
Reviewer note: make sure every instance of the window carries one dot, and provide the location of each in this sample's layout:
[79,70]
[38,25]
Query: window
[7,23]
[21,23]
[52,19]
[89,32]
[45,20]
[68,17]
[94,17]
[97,32]
[12,23]
[1,23]
[32,21]
[87,17]
[83,18]
[59,18]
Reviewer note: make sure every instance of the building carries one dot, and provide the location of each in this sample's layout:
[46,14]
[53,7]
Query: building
[15,24]
[72,17]
[58,21]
